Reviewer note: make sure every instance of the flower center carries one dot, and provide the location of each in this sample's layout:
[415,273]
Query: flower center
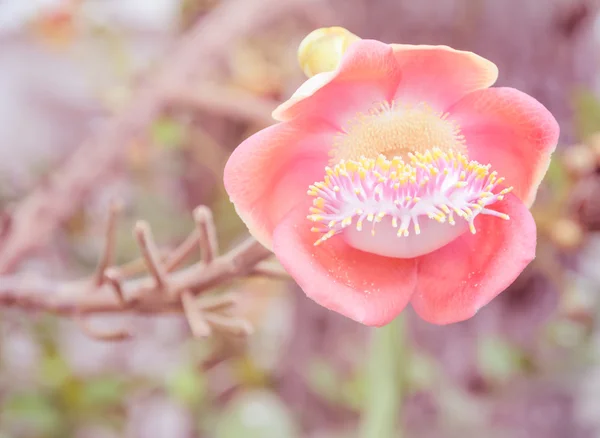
[394,130]
[427,202]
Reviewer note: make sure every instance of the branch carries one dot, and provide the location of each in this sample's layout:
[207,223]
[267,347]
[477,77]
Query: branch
[141,295]
[207,234]
[161,291]
[225,101]
[110,240]
[150,253]
[271,269]
[34,220]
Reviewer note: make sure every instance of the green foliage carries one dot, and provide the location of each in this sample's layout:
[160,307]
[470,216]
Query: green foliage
[586,113]
[32,412]
[421,371]
[168,133]
[187,385]
[53,371]
[557,177]
[103,392]
[498,360]
[323,379]
[256,414]
[335,388]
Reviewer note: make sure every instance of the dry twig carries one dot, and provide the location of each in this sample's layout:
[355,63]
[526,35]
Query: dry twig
[271,269]
[207,234]
[226,101]
[162,291]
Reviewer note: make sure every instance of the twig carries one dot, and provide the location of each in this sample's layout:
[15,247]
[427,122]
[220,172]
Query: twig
[150,253]
[109,243]
[271,269]
[111,276]
[217,302]
[138,266]
[226,101]
[198,324]
[142,295]
[207,234]
[113,335]
[234,326]
[182,251]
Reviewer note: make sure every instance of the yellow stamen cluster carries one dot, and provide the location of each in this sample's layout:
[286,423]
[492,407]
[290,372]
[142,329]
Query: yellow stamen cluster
[436,184]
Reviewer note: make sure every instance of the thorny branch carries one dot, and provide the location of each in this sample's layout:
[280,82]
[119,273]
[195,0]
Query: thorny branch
[166,288]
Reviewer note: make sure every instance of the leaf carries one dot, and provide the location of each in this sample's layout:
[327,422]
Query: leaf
[498,360]
[102,392]
[586,113]
[168,133]
[256,414]
[34,411]
[353,391]
[187,385]
[421,371]
[54,371]
[556,177]
[323,379]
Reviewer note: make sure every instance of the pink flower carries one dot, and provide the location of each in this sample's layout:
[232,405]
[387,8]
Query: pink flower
[400,177]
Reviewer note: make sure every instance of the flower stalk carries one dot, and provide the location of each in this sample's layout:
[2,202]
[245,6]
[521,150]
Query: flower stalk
[384,388]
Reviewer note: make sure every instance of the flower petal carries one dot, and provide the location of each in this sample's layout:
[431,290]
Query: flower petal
[455,281]
[366,75]
[440,75]
[365,287]
[270,171]
[512,131]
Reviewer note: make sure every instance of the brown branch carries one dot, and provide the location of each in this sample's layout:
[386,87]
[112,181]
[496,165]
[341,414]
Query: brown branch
[271,269]
[207,234]
[34,220]
[196,320]
[159,292]
[141,295]
[111,276]
[150,253]
[217,302]
[109,243]
[112,335]
[225,101]
[138,266]
[182,252]
[233,326]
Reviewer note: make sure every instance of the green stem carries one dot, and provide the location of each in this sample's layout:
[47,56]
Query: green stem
[384,386]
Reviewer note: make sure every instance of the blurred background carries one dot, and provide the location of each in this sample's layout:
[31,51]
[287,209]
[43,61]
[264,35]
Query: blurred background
[526,366]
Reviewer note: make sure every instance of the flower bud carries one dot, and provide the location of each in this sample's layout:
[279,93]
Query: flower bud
[322,49]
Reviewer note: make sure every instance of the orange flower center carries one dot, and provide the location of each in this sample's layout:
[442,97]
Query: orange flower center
[394,130]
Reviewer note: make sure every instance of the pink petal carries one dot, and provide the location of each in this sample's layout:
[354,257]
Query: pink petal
[367,75]
[512,131]
[365,287]
[269,172]
[440,75]
[460,278]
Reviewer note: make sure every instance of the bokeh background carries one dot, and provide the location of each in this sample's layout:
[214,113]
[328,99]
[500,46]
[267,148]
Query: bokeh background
[526,366]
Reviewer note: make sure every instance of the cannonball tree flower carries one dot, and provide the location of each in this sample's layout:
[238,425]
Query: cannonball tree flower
[396,175]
